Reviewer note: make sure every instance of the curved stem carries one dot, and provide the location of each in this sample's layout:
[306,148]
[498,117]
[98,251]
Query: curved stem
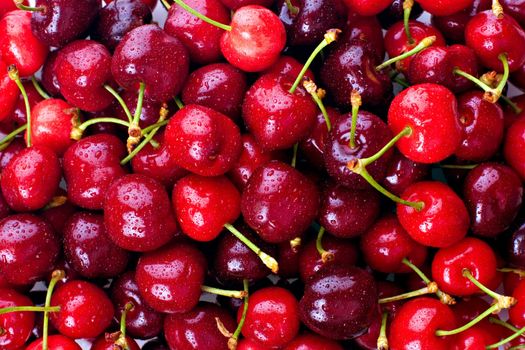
[405,132]
[20,5]
[77,132]
[518,272]
[202,17]
[55,277]
[502,301]
[355,101]
[407,9]
[506,340]
[503,324]
[13,75]
[178,102]
[382,340]
[294,156]
[237,294]
[13,134]
[444,297]
[480,317]
[423,44]
[317,95]
[120,101]
[39,89]
[325,255]
[128,307]
[7,310]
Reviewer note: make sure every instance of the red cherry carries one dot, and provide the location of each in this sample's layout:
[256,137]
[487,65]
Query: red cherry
[55,342]
[513,146]
[431,111]
[16,326]
[309,341]
[517,312]
[444,7]
[19,114]
[441,222]
[287,65]
[10,93]
[107,343]
[367,7]
[403,172]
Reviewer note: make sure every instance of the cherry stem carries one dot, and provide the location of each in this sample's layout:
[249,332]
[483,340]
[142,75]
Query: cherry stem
[140,101]
[232,342]
[77,132]
[317,95]
[237,294]
[430,288]
[166,4]
[9,137]
[519,272]
[296,243]
[407,9]
[39,89]
[382,340]
[13,75]
[120,101]
[355,101]
[7,310]
[202,17]
[294,156]
[55,202]
[178,102]
[325,255]
[329,37]
[134,131]
[294,10]
[480,317]
[407,131]
[401,82]
[20,5]
[423,44]
[121,342]
[506,340]
[269,261]
[514,106]
[55,277]
[497,9]
[502,301]
[502,323]
[458,166]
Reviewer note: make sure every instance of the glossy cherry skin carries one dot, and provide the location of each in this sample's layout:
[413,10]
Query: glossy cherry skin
[516,247]
[17,326]
[394,13]
[82,68]
[88,248]
[18,115]
[18,44]
[141,321]
[85,310]
[386,244]
[219,86]
[10,93]
[197,329]
[490,36]
[275,117]
[517,312]
[49,80]
[403,172]
[90,165]
[371,135]
[202,140]
[273,317]
[107,343]
[256,39]
[310,341]
[464,58]
[417,321]
[204,204]
[444,7]
[147,54]
[432,138]
[15,147]
[339,302]
[55,342]
[138,215]
[288,65]
[513,145]
[444,219]
[288,258]
[367,7]
[347,213]
[170,278]
[200,38]
[279,202]
[63,21]
[31,178]
[118,18]
[480,336]
[493,194]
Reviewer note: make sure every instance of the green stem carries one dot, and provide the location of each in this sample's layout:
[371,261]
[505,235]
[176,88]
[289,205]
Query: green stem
[407,9]
[20,5]
[402,82]
[120,101]
[294,156]
[506,72]
[382,340]
[506,340]
[39,89]
[76,133]
[238,330]
[514,106]
[503,324]
[317,95]
[325,255]
[355,101]
[13,75]
[140,146]
[405,132]
[56,276]
[178,102]
[458,166]
[416,269]
[202,17]
[294,10]
[237,294]
[13,134]
[154,126]
[140,101]
[430,288]
[480,317]
[128,307]
[7,310]
[423,44]
[467,274]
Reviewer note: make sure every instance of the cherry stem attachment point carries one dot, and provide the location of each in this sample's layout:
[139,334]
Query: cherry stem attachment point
[269,261]
[14,76]
[317,95]
[55,278]
[329,37]
[20,5]
[423,44]
[382,340]
[497,9]
[325,255]
[120,101]
[355,101]
[237,294]
[202,17]
[479,318]
[407,9]
[39,89]
[503,301]
[430,288]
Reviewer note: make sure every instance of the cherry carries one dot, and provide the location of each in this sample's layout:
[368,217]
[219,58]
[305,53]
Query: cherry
[478,337]
[248,344]
[432,139]
[272,318]
[367,30]
[517,312]
[119,17]
[203,141]
[416,323]
[90,166]
[16,326]
[514,142]
[18,44]
[138,215]
[149,113]
[55,342]
[15,147]
[107,342]
[288,258]
[219,86]
[31,178]
[444,7]
[443,219]
[82,68]
[514,8]
[279,202]
[309,341]
[516,247]
[367,7]
[49,78]
[59,22]
[10,93]
[288,65]
[395,13]
[403,172]
[493,194]
[347,213]
[8,6]
[200,38]
[150,56]
[197,328]
[85,310]
[170,278]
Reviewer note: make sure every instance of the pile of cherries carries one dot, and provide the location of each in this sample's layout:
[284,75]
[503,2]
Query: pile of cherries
[253,175]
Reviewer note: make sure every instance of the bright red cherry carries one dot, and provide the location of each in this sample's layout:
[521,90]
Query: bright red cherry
[16,326]
[10,92]
[444,7]
[55,342]
[514,146]
[517,312]
[367,7]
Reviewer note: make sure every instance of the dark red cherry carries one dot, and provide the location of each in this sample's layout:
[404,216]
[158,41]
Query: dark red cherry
[348,213]
[10,93]
[19,113]
[105,342]
[141,321]
[513,146]
[149,55]
[309,341]
[155,344]
[279,202]
[31,178]
[85,310]
[288,258]
[515,8]
[516,247]
[170,278]
[137,213]
[16,326]
[14,147]
[90,166]
[464,58]
[82,68]
[219,86]
[431,112]
[403,172]
[367,30]
[287,65]
[88,248]
[49,77]
[431,65]
[339,302]
[444,7]
[367,7]
[63,21]
[493,194]
[197,329]
[272,319]
[275,117]
[204,204]
[200,38]
[18,44]
[55,342]
[479,336]
[203,141]
[387,243]
[119,17]
[394,13]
